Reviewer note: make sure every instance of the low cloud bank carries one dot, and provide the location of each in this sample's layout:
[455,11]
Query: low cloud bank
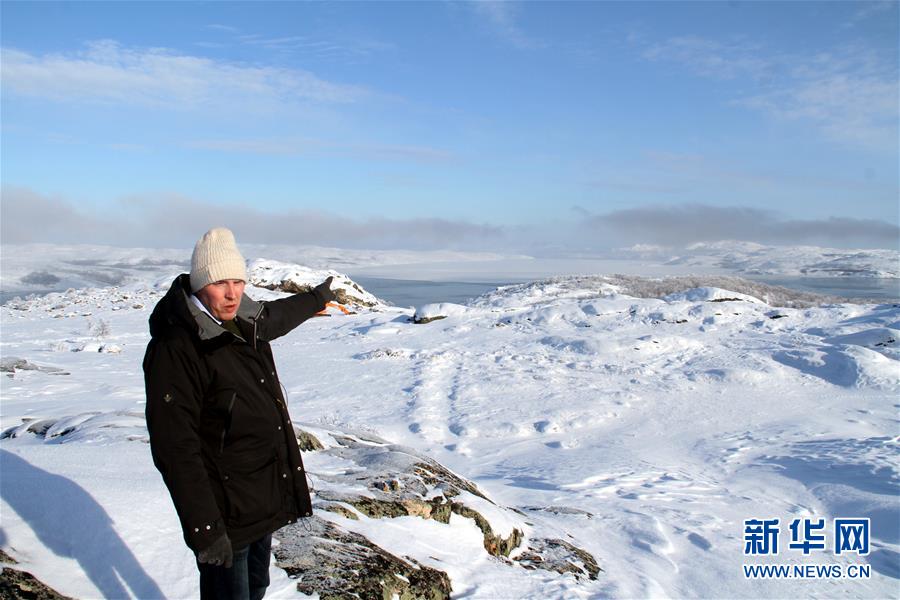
[690,223]
[177,221]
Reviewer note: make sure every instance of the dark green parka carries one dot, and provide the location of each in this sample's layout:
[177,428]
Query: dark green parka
[220,432]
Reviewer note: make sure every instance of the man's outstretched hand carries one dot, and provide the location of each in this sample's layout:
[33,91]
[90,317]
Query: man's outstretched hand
[323,291]
[218,554]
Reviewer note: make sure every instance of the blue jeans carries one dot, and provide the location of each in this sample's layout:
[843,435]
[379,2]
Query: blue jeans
[247,579]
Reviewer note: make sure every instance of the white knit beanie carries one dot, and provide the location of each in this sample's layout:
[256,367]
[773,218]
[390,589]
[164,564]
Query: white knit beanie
[215,258]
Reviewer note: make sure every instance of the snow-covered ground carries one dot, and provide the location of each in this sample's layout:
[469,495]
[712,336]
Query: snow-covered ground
[648,429]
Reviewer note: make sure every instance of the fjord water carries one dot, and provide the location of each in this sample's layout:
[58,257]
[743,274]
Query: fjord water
[415,292]
[402,292]
[876,289]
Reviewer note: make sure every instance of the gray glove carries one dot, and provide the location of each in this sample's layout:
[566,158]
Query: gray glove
[218,554]
[323,291]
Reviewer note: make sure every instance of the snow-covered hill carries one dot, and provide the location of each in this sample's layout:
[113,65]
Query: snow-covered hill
[642,430]
[748,258]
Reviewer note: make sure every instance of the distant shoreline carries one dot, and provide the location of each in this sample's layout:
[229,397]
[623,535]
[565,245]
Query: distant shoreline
[415,292]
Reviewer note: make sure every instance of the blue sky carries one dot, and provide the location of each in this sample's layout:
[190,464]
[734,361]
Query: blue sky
[555,127]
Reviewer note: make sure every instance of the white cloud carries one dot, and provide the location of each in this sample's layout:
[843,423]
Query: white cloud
[690,175]
[108,73]
[850,94]
[422,154]
[128,147]
[869,9]
[348,50]
[500,17]
[314,147]
[710,58]
[224,28]
[274,147]
[173,220]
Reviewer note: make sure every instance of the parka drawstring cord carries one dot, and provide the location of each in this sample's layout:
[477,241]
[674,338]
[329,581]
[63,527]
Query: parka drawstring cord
[306,524]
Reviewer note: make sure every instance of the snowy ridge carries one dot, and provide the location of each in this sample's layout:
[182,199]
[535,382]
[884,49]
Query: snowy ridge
[275,275]
[748,258]
[638,420]
[598,286]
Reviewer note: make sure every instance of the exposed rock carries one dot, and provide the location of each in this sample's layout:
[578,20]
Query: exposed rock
[433,473]
[559,556]
[21,585]
[337,508]
[293,279]
[433,312]
[39,427]
[11,364]
[341,296]
[384,353]
[6,558]
[560,510]
[496,545]
[400,482]
[307,441]
[424,320]
[339,565]
[93,425]
[98,347]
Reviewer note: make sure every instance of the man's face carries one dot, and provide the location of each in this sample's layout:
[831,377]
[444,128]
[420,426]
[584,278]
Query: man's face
[222,298]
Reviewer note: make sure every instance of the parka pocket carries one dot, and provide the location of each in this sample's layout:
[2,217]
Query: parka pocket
[253,495]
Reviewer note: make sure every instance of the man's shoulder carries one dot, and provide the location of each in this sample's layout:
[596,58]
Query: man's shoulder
[174,336]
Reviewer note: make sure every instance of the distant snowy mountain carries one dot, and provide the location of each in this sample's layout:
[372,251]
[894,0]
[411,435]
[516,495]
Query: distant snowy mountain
[748,258]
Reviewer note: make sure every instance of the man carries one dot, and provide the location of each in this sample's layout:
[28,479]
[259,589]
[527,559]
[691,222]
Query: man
[220,433]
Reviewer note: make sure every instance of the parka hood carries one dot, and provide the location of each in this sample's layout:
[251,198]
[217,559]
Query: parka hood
[176,309]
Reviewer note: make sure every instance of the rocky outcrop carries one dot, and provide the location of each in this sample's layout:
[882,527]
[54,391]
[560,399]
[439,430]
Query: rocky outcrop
[307,441]
[400,482]
[559,556]
[381,480]
[293,279]
[21,585]
[341,565]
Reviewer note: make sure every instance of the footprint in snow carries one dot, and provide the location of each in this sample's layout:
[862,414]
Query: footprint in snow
[699,541]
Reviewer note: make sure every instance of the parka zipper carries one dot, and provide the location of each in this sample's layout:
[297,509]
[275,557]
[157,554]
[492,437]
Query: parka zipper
[255,319]
[227,423]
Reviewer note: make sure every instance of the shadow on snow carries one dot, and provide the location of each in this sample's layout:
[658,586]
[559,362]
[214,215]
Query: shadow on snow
[69,522]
